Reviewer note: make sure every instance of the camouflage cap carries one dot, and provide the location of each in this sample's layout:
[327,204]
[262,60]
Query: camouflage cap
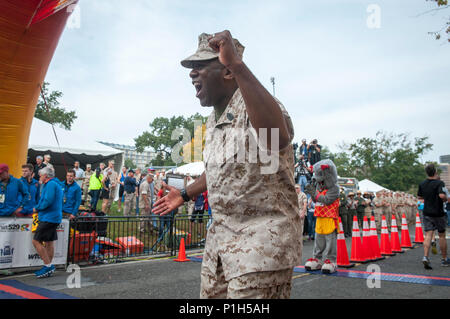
[205,52]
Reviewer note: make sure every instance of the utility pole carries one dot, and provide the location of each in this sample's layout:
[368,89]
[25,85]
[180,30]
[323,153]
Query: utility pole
[272,80]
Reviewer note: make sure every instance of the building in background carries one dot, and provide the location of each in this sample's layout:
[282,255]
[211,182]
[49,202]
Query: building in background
[444,166]
[444,159]
[141,160]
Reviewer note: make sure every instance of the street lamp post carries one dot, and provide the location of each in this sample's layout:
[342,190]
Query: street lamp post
[272,80]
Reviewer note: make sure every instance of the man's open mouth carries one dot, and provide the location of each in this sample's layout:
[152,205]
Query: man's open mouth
[198,88]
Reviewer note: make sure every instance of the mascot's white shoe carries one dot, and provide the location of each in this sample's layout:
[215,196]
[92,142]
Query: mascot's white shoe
[313,264]
[329,267]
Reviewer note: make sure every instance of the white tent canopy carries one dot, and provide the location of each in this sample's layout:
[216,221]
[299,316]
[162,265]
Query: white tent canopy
[73,146]
[193,169]
[369,186]
[43,139]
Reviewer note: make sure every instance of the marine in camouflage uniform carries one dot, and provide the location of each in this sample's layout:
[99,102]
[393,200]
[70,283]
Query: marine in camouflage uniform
[85,184]
[351,207]
[343,212]
[368,207]
[389,199]
[360,209]
[399,209]
[378,210]
[302,203]
[254,240]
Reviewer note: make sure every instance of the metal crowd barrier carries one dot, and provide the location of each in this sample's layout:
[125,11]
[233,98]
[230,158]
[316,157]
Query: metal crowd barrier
[110,239]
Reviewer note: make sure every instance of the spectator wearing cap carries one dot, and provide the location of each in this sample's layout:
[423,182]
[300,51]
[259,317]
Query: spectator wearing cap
[71,196]
[129,185]
[360,208]
[33,187]
[121,179]
[49,210]
[13,193]
[39,165]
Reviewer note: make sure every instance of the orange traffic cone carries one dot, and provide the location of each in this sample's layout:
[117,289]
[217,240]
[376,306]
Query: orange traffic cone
[367,247]
[395,240]
[342,254]
[182,252]
[357,252]
[386,249]
[418,239]
[374,240]
[406,240]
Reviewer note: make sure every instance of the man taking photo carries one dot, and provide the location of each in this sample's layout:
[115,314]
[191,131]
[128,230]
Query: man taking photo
[314,150]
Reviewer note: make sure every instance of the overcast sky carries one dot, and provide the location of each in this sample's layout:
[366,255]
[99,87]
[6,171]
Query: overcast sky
[338,76]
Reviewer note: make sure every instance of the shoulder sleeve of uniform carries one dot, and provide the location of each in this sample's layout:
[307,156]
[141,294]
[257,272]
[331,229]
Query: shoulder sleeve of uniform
[287,119]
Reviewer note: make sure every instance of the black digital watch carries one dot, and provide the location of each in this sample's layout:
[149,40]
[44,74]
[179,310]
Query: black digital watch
[185,196]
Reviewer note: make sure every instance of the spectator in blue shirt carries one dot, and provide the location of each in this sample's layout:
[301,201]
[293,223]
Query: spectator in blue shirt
[33,187]
[71,196]
[129,185]
[13,193]
[49,210]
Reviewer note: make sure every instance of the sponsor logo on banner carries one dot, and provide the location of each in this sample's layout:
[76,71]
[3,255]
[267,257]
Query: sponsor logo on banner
[6,253]
[9,227]
[33,256]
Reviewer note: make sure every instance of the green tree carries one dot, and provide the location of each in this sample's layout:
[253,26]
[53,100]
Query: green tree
[54,114]
[391,160]
[159,137]
[130,164]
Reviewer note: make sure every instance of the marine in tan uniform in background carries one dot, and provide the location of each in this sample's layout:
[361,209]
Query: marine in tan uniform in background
[413,208]
[387,208]
[106,205]
[352,204]
[368,208]
[302,203]
[85,185]
[378,209]
[254,240]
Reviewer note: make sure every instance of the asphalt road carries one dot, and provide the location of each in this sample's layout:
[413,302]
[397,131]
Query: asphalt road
[165,278]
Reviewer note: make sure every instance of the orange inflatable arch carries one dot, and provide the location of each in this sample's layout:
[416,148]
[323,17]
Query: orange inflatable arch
[29,34]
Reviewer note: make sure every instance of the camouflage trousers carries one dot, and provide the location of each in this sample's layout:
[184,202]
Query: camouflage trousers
[378,213]
[86,198]
[387,212]
[129,204]
[257,285]
[398,216]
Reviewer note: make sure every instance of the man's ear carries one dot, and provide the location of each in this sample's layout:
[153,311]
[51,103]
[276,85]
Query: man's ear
[227,74]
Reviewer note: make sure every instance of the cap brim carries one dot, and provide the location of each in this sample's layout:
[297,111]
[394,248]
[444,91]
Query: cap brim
[189,62]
